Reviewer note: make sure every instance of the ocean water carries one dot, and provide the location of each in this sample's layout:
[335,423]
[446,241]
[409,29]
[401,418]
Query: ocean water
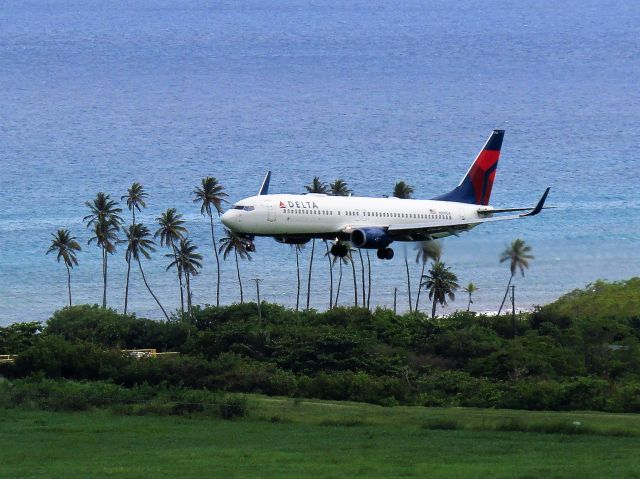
[97,94]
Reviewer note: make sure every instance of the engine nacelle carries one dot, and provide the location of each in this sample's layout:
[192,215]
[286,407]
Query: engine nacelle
[291,240]
[370,238]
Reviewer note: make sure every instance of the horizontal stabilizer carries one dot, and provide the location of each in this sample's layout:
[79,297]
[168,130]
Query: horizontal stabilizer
[540,204]
[452,225]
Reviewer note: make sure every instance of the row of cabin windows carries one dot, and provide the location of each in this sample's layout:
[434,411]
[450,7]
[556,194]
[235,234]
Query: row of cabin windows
[424,216]
[440,216]
[308,212]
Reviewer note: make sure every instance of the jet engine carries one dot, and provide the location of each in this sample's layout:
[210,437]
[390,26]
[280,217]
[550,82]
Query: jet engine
[370,238]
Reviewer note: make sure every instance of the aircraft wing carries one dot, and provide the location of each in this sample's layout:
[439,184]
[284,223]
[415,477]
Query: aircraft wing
[419,231]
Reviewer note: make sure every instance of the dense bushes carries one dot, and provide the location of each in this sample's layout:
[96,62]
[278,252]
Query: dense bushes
[63,395]
[110,329]
[561,358]
[17,337]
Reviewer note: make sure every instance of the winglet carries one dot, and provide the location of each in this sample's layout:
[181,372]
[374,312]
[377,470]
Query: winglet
[264,189]
[539,206]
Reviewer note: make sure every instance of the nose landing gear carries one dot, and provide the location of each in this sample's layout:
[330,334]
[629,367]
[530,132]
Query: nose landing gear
[248,243]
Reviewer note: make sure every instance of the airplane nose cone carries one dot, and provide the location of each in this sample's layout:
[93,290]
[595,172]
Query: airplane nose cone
[226,220]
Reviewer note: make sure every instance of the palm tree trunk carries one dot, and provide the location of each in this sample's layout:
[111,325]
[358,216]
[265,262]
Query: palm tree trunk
[505,295]
[406,263]
[298,277]
[419,284]
[339,283]
[433,309]
[330,276]
[69,282]
[149,288]
[469,303]
[126,288]
[369,285]
[179,272]
[239,280]
[104,277]
[364,286]
[213,241]
[355,283]
[188,284]
[313,248]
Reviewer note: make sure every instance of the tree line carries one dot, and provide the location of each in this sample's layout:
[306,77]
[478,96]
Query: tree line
[580,352]
[109,230]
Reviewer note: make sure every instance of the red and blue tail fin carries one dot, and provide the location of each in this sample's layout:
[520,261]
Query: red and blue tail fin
[475,187]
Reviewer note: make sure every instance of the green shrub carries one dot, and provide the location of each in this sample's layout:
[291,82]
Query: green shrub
[233,406]
[56,358]
[18,337]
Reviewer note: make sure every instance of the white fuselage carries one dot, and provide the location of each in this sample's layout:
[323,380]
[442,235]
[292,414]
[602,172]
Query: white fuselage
[323,215]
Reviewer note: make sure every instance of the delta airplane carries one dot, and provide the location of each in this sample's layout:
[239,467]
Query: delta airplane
[375,223]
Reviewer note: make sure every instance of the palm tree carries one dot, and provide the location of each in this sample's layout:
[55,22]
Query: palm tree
[339,188]
[328,256]
[518,255]
[172,230]
[441,283]
[406,265]
[364,284]
[135,199]
[65,246]
[316,186]
[342,260]
[139,244]
[355,277]
[470,289]
[298,249]
[233,242]
[187,261]
[426,250]
[211,194]
[369,281]
[402,190]
[106,222]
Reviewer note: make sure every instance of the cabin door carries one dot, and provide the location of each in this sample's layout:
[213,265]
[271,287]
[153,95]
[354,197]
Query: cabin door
[271,213]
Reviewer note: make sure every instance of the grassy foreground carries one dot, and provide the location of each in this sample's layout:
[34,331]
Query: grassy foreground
[285,438]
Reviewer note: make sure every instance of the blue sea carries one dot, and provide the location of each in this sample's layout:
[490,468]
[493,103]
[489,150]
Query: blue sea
[97,94]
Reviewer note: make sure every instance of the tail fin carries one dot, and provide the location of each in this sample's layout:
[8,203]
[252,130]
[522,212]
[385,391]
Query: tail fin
[475,187]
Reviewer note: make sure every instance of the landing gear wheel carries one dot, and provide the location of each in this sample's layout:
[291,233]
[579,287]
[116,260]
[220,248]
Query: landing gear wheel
[251,247]
[385,253]
[339,250]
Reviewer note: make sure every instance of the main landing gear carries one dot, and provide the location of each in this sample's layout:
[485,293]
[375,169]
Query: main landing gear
[385,253]
[341,250]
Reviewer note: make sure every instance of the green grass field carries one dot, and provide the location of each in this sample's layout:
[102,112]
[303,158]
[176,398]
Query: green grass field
[283,438]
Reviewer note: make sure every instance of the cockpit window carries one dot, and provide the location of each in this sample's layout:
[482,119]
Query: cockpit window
[238,207]
[249,208]
[244,208]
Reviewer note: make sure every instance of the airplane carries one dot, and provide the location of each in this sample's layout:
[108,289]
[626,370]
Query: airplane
[375,223]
